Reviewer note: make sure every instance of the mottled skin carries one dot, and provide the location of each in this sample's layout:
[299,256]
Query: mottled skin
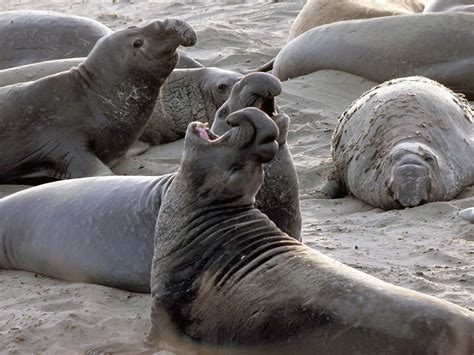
[75,123]
[320,12]
[187,95]
[101,229]
[279,196]
[226,280]
[35,36]
[403,143]
[386,48]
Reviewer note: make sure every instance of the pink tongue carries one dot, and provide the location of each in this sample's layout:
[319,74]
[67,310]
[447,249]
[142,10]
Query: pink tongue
[203,134]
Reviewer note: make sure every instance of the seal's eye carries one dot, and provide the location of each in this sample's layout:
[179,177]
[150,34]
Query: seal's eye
[137,43]
[429,159]
[222,87]
[223,112]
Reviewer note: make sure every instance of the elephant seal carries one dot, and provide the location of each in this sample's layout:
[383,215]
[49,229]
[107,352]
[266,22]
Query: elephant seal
[403,143]
[74,123]
[381,49]
[449,6]
[34,36]
[321,12]
[226,280]
[66,229]
[279,196]
[467,214]
[187,95]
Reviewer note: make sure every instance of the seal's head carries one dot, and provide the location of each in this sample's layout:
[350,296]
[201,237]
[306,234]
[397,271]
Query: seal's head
[227,169]
[150,49]
[219,83]
[253,90]
[415,167]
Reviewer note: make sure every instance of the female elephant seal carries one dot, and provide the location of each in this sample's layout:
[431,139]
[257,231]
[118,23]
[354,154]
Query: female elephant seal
[74,123]
[187,95]
[226,280]
[439,46]
[403,143]
[75,229]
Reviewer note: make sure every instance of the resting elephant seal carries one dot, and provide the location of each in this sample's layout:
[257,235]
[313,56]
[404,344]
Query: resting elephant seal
[381,49]
[449,6]
[74,123]
[321,12]
[34,36]
[76,229]
[187,95]
[403,143]
[467,214]
[226,280]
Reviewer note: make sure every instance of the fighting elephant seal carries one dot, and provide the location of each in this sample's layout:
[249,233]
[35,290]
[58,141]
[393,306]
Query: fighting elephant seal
[403,143]
[35,36]
[74,123]
[225,280]
[320,12]
[75,229]
[381,49]
[187,95]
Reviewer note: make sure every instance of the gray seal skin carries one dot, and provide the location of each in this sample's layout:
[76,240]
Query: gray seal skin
[467,214]
[101,229]
[403,143]
[34,36]
[386,48]
[226,280]
[449,6]
[75,123]
[187,95]
[278,197]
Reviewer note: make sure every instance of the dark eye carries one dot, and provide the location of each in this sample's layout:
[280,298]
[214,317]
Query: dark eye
[223,112]
[429,159]
[137,43]
[222,87]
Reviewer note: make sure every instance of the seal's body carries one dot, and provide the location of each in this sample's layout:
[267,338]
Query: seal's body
[75,123]
[403,143]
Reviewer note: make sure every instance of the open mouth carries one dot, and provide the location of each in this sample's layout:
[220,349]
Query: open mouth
[202,131]
[267,105]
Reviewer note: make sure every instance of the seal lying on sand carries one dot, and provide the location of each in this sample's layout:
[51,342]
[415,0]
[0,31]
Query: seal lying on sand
[320,12]
[76,229]
[74,123]
[403,143]
[35,36]
[225,280]
[381,49]
[187,95]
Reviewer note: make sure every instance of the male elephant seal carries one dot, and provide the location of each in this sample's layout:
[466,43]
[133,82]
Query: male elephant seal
[226,280]
[403,143]
[74,123]
[75,229]
[35,36]
[187,95]
[320,12]
[439,46]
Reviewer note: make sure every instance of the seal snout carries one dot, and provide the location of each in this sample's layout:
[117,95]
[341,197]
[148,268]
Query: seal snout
[185,34]
[411,184]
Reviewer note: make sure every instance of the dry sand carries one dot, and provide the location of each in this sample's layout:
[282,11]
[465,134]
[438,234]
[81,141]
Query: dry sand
[427,248]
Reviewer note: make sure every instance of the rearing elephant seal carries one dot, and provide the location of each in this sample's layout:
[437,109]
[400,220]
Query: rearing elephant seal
[403,143]
[225,280]
[439,46]
[75,229]
[74,123]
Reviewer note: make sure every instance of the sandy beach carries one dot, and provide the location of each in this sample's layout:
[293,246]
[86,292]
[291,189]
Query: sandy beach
[426,248]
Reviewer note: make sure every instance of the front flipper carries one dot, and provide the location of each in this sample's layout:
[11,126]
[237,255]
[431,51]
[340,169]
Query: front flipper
[332,188]
[85,164]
